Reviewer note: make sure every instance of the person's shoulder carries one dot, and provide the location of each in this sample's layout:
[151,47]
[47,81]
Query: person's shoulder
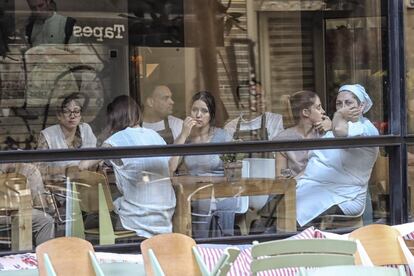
[85,126]
[369,127]
[59,16]
[287,133]
[232,123]
[153,135]
[50,129]
[173,119]
[273,116]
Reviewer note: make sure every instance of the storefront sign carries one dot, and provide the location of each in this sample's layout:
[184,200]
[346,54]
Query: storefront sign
[116,31]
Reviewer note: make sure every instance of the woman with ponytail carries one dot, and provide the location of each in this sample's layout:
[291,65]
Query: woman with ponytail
[310,122]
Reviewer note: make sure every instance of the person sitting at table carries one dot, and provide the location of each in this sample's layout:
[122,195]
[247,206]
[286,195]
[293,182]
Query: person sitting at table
[335,181]
[158,108]
[199,127]
[310,122]
[43,225]
[69,133]
[147,200]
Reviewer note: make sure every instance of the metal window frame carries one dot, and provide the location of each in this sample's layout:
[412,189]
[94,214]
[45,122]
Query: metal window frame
[396,143]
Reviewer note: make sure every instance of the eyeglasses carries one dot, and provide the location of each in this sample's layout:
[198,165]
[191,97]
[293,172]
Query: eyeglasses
[69,113]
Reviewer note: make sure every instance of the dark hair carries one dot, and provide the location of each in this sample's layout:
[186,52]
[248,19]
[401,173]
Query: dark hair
[77,98]
[208,99]
[301,100]
[123,112]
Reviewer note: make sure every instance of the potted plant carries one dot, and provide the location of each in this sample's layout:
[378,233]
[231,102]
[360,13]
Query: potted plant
[232,165]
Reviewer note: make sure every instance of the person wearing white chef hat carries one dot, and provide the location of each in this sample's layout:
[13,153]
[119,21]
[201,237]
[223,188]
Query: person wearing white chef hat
[335,181]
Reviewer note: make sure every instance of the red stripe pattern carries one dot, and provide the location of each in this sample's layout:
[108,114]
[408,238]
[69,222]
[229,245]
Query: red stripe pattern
[242,265]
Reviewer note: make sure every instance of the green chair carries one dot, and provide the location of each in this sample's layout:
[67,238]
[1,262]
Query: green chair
[91,194]
[351,270]
[301,253]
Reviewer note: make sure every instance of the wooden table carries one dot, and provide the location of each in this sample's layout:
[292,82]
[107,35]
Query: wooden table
[184,186]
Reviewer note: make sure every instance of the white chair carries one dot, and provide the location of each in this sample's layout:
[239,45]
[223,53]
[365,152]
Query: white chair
[250,206]
[354,270]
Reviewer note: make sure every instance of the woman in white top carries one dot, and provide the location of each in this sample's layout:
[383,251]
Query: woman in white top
[336,180]
[147,200]
[69,133]
[310,122]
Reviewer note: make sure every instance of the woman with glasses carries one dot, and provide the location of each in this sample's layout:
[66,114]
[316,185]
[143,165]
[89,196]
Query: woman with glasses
[70,132]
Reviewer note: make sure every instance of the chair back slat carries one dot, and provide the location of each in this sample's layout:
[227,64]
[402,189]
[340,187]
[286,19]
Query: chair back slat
[87,183]
[301,260]
[354,270]
[302,253]
[315,246]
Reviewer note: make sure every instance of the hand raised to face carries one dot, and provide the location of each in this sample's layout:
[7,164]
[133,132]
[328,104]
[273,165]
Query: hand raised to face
[188,125]
[324,125]
[350,113]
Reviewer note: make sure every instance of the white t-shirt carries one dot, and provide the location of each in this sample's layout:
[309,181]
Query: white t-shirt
[274,124]
[148,200]
[176,125]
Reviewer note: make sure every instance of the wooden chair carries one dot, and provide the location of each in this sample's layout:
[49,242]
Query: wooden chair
[335,221]
[67,256]
[16,203]
[298,253]
[351,270]
[91,194]
[176,254]
[382,243]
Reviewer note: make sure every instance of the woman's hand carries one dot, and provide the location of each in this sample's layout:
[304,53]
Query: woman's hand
[188,125]
[324,125]
[350,114]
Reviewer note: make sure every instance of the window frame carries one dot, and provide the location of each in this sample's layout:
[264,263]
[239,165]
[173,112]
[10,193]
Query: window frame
[395,143]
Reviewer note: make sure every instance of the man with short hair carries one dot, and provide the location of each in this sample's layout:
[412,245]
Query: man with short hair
[46,26]
[158,107]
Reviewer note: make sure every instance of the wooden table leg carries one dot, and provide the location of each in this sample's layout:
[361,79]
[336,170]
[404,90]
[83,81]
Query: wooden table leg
[21,228]
[182,214]
[286,210]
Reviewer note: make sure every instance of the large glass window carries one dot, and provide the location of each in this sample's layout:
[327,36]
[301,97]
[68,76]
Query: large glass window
[218,195]
[83,74]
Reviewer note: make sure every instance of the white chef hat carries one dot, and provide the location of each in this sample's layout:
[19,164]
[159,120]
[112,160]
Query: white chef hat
[359,91]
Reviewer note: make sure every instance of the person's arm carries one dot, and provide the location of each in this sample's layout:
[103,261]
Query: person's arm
[281,163]
[341,119]
[323,126]
[87,164]
[41,142]
[187,127]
